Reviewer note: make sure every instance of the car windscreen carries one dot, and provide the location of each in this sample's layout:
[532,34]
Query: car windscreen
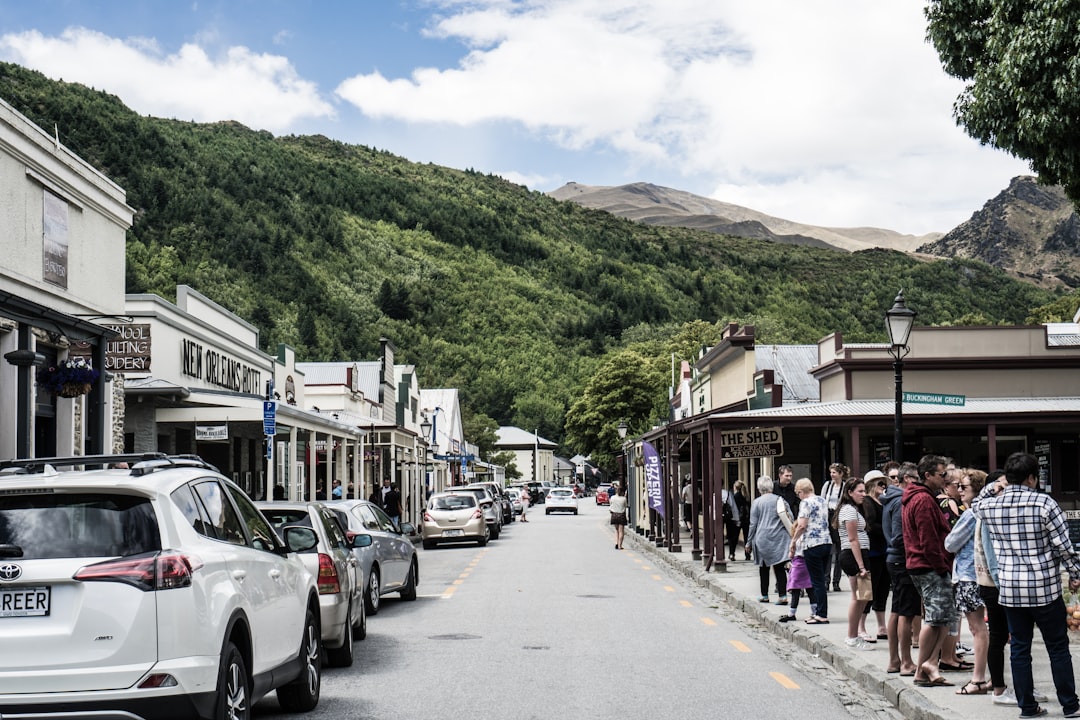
[453,502]
[83,525]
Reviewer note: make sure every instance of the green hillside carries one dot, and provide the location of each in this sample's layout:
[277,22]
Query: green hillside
[507,294]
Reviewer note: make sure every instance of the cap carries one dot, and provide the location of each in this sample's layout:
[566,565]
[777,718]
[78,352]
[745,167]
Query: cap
[873,475]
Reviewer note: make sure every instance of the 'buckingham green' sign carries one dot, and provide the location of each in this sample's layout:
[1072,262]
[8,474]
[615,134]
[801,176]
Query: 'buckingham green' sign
[934,399]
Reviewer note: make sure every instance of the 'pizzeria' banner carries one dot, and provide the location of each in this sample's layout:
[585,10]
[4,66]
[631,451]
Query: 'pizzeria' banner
[654,479]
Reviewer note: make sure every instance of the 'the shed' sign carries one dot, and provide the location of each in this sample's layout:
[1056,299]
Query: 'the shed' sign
[757,442]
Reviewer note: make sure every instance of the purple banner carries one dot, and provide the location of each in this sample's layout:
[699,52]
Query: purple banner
[654,479]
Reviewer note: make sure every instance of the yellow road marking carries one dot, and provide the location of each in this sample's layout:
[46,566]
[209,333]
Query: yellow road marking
[458,581]
[708,621]
[686,603]
[669,588]
[740,646]
[655,577]
[784,680]
[646,567]
[448,592]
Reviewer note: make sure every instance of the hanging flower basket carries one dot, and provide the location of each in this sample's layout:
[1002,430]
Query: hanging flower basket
[68,378]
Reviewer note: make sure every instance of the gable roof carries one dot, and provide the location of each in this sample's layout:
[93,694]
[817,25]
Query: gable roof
[514,437]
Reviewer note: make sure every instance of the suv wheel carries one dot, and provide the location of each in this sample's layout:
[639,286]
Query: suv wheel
[234,686]
[360,630]
[371,597]
[409,591]
[343,656]
[302,694]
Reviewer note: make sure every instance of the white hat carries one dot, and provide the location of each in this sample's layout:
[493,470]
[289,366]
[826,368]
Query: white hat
[873,475]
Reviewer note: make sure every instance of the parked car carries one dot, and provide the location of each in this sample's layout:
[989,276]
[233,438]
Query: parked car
[603,494]
[561,499]
[128,591]
[490,507]
[389,563]
[501,499]
[333,563]
[455,517]
[515,495]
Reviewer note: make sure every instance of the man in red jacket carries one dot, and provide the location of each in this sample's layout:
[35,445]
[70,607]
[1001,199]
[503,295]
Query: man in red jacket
[929,564]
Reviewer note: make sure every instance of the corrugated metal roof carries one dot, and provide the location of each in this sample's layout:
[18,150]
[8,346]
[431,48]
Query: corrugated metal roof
[887,408]
[336,373]
[1063,340]
[791,366]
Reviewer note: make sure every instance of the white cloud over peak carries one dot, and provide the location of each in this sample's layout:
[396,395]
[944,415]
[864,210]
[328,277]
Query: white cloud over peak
[260,90]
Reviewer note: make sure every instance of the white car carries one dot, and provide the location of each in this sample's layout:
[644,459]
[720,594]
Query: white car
[562,500]
[150,592]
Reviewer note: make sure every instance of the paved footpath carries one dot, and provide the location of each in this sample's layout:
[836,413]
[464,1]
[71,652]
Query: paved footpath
[736,585]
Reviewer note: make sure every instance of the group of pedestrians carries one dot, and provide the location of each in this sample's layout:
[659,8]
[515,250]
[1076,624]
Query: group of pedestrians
[950,545]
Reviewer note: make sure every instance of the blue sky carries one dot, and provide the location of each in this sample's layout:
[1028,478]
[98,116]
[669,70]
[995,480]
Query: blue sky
[829,112]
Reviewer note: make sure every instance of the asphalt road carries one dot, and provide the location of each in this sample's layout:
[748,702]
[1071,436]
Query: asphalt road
[551,621]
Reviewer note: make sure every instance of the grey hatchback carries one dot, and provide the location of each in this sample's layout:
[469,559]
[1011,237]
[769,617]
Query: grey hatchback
[389,564]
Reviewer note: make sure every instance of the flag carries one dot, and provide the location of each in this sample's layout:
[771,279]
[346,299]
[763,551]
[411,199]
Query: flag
[654,478]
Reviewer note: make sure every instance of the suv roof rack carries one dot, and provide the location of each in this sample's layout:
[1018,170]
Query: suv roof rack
[141,463]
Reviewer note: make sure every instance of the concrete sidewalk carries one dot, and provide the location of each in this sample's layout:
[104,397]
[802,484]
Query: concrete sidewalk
[738,587]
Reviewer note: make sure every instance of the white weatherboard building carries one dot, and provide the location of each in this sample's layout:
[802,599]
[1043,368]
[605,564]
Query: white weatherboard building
[61,270]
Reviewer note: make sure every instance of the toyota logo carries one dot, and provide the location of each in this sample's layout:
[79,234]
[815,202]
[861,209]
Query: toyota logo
[9,572]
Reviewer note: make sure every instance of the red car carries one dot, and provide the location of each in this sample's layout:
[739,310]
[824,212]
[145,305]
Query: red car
[603,495]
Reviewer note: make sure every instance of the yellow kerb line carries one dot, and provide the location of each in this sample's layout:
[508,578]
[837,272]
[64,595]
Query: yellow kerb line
[784,680]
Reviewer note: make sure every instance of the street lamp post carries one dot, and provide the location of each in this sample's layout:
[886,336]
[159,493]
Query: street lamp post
[624,470]
[899,319]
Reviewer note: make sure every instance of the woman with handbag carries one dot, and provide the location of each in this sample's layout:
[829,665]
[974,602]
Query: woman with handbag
[854,545]
[617,506]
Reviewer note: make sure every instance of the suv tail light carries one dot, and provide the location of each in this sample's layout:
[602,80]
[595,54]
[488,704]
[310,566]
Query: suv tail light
[329,582]
[151,571]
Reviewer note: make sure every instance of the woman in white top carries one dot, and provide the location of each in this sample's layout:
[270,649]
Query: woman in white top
[831,492]
[854,545]
[617,506]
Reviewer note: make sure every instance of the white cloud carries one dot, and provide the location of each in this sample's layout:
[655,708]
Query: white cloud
[260,90]
[836,109]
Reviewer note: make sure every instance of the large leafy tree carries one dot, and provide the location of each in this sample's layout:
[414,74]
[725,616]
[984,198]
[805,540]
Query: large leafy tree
[1020,60]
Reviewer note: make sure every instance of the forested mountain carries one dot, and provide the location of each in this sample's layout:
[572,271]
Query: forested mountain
[510,295]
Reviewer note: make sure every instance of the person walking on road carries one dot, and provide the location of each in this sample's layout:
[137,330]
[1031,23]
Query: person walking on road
[1031,543]
[617,506]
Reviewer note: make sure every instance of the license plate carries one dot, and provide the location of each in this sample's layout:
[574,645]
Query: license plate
[453,533]
[25,601]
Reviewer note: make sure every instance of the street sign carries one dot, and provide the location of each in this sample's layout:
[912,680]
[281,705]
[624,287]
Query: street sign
[269,417]
[935,399]
[759,442]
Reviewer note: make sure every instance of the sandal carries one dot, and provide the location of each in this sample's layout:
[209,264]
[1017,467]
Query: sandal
[815,620]
[960,666]
[981,687]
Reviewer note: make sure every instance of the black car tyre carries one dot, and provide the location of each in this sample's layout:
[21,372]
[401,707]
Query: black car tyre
[484,538]
[343,656]
[302,694]
[371,596]
[496,530]
[408,592]
[234,686]
[360,630]
[429,544]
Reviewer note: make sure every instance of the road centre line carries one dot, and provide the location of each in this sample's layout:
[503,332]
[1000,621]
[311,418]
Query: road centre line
[784,680]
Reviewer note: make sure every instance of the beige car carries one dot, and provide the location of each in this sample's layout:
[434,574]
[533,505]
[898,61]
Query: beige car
[453,517]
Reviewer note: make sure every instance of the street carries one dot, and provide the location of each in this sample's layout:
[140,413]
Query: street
[552,621]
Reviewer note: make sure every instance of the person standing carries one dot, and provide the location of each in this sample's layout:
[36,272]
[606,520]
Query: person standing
[906,603]
[391,501]
[729,510]
[832,491]
[786,488]
[687,504]
[617,506]
[742,514]
[929,564]
[855,545]
[1031,543]
[768,539]
[874,559]
[525,498]
[961,542]
[812,532]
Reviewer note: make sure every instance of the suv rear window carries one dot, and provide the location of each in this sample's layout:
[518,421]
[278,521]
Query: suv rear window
[84,525]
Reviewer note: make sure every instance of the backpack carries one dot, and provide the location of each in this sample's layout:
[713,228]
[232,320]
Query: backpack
[728,515]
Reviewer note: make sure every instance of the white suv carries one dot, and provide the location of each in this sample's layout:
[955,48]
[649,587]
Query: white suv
[158,591]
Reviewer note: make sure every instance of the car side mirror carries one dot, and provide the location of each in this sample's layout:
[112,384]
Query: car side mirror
[407,528]
[362,540]
[300,539]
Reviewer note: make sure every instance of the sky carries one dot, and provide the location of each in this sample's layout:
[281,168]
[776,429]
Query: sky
[826,112]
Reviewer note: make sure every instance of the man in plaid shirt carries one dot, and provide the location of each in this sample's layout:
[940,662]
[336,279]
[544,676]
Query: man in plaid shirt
[1031,541]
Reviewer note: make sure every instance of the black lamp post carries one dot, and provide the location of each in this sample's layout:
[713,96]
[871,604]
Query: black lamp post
[899,319]
[624,468]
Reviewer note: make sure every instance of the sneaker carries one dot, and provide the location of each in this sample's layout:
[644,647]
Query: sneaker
[962,649]
[1039,695]
[1073,714]
[857,643]
[1006,698]
[763,598]
[782,600]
